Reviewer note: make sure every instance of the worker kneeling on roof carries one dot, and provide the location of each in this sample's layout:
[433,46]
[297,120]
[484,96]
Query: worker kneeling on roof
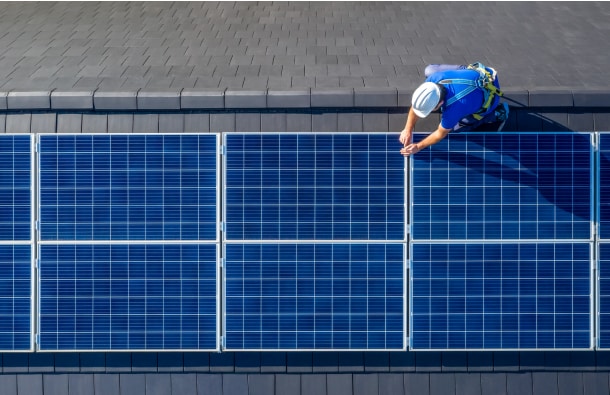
[467,96]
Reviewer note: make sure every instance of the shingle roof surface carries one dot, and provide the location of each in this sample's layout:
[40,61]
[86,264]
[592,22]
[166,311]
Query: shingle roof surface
[268,45]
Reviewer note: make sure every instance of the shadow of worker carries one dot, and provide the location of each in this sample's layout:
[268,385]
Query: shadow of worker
[548,174]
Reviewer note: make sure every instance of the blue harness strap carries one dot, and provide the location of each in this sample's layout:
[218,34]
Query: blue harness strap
[484,82]
[463,93]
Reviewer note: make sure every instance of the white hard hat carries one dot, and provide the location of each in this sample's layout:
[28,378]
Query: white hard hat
[425,99]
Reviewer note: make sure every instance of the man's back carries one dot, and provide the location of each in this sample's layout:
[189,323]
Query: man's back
[463,107]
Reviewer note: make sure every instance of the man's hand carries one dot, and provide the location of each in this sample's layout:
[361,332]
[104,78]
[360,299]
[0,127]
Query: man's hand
[405,137]
[410,149]
[432,138]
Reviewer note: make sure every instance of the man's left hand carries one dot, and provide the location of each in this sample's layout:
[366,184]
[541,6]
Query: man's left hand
[410,149]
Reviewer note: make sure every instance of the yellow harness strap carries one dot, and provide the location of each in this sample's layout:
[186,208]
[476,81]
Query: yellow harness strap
[489,88]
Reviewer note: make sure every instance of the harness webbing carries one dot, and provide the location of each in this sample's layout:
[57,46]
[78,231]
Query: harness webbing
[484,82]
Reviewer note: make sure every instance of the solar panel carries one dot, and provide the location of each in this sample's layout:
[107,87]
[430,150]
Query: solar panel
[335,281]
[128,187]
[314,187]
[15,188]
[604,186]
[16,243]
[503,186]
[128,249]
[603,293]
[15,297]
[501,296]
[128,297]
[321,296]
[603,280]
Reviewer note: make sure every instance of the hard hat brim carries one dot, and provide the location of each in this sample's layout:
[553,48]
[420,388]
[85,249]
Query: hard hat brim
[421,114]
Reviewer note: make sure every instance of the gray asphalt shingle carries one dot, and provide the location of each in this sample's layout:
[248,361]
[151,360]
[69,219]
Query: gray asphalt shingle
[106,384]
[160,41]
[32,384]
[54,384]
[79,384]
[339,384]
[313,384]
[130,384]
[261,384]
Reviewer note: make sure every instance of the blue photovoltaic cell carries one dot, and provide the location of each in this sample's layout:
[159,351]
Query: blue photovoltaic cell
[501,296]
[15,188]
[15,297]
[604,186]
[503,186]
[128,297]
[604,295]
[128,187]
[314,187]
[314,296]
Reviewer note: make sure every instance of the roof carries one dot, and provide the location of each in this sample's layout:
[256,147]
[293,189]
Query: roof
[111,56]
[300,45]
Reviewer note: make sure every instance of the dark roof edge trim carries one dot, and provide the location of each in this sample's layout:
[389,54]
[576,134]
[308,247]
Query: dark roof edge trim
[234,99]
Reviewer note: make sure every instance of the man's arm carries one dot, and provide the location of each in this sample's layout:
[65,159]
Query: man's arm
[407,133]
[433,138]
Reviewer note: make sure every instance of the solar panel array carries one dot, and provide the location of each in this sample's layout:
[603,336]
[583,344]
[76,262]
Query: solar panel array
[16,242]
[128,248]
[502,240]
[314,242]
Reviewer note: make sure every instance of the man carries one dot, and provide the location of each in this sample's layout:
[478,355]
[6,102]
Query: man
[467,96]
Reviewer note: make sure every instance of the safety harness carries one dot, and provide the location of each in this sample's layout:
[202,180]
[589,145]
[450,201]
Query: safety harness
[484,82]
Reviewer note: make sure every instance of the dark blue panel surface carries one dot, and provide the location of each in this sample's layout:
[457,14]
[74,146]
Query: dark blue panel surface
[314,187]
[15,297]
[501,296]
[128,297]
[604,186]
[604,295]
[128,187]
[15,187]
[314,296]
[503,186]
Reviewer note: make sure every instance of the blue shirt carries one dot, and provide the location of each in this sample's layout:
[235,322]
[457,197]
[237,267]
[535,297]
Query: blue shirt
[469,104]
